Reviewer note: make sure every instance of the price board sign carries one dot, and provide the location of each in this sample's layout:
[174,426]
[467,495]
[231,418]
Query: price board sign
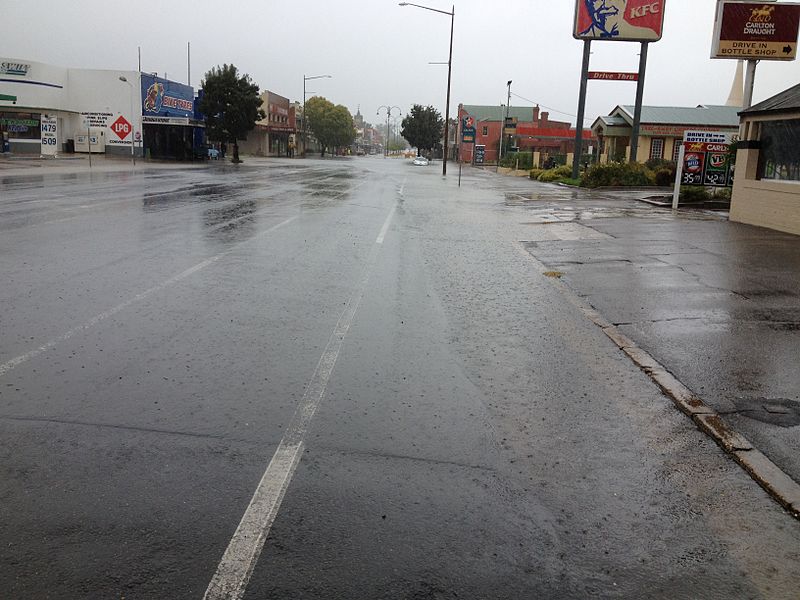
[480,154]
[708,158]
[49,135]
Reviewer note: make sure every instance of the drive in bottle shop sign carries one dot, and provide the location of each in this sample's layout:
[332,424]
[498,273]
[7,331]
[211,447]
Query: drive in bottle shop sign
[707,158]
[620,20]
[756,31]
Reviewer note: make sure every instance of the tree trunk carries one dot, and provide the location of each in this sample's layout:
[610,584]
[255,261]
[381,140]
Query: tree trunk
[236,152]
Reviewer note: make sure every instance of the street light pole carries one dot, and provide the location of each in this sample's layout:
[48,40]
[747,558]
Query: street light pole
[305,118]
[388,114]
[133,122]
[503,125]
[452,15]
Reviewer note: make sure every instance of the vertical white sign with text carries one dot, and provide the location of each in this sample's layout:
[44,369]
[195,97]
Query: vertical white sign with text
[49,136]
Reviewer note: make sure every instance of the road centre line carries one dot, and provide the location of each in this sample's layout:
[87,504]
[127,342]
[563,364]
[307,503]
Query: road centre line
[15,362]
[240,557]
[385,227]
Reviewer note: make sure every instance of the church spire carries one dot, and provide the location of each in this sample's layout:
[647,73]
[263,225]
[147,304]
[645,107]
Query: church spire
[736,97]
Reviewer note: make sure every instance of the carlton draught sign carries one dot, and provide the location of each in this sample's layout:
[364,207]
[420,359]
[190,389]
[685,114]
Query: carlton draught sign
[756,31]
[620,20]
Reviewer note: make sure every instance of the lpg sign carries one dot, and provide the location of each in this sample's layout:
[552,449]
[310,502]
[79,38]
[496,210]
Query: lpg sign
[121,127]
[620,20]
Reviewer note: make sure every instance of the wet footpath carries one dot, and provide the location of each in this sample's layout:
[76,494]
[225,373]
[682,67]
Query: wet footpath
[716,303]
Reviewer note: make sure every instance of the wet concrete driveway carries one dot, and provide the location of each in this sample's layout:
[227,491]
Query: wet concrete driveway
[439,421]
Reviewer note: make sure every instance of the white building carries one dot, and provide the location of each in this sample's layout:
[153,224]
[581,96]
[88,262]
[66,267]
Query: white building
[46,109]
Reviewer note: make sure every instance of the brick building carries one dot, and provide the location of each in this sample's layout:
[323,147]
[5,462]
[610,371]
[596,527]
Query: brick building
[535,132]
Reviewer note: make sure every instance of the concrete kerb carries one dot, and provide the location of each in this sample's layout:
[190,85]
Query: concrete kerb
[766,473]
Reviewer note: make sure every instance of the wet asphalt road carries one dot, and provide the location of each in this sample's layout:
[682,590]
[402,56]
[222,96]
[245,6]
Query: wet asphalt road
[476,438]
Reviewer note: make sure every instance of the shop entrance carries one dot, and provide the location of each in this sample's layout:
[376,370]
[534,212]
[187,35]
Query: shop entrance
[168,142]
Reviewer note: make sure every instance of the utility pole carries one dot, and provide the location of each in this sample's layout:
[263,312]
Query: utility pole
[503,127]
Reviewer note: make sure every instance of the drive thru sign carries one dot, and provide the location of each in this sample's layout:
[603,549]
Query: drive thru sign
[121,127]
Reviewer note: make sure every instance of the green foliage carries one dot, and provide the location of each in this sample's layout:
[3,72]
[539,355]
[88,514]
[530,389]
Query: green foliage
[525,160]
[423,127]
[694,193]
[534,173]
[331,124]
[556,174]
[230,104]
[617,175]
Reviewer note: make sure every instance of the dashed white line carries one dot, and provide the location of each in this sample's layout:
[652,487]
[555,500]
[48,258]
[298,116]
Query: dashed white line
[236,566]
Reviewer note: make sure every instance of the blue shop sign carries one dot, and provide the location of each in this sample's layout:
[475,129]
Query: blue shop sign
[164,98]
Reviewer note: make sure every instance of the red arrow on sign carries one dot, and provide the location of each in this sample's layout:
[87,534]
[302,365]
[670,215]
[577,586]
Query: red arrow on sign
[121,127]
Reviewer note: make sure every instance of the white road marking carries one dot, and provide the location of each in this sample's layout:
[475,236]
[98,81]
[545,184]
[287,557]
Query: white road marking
[382,234]
[15,362]
[236,566]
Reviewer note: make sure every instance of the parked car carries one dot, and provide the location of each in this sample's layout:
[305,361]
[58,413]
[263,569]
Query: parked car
[213,153]
[421,161]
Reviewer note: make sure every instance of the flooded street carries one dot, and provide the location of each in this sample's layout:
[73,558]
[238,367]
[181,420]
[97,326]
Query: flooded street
[364,367]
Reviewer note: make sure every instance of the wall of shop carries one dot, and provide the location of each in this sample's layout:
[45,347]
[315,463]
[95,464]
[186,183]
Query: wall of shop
[764,194]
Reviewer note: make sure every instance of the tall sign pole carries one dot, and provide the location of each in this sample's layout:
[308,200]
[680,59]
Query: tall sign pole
[637,112]
[576,159]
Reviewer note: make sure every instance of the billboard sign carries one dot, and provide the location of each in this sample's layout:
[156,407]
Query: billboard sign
[620,20]
[756,31]
[468,135]
[164,98]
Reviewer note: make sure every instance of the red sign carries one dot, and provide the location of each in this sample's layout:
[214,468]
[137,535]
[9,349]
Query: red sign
[756,31]
[611,76]
[621,20]
[121,127]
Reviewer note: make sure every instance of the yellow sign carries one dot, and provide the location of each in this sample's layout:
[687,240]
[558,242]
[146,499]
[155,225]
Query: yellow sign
[757,50]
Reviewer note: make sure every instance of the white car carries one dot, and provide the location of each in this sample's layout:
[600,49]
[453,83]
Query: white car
[421,161]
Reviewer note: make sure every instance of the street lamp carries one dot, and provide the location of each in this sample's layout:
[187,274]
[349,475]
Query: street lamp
[123,79]
[503,126]
[305,119]
[452,15]
[388,114]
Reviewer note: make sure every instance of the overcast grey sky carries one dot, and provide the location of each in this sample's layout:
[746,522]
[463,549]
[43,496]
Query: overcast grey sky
[378,52]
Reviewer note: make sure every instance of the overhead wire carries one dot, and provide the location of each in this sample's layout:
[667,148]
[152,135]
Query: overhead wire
[555,110]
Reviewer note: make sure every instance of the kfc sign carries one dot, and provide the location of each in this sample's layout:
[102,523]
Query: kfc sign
[620,20]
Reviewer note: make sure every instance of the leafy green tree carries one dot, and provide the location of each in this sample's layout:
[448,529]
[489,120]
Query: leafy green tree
[423,127]
[230,104]
[331,124]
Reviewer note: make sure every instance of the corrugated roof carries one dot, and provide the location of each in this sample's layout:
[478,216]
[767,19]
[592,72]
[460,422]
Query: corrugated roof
[498,113]
[716,116]
[786,100]
[613,121]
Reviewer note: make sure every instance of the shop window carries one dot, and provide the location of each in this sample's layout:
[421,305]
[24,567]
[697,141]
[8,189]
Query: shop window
[780,150]
[656,149]
[485,131]
[21,126]
[676,150]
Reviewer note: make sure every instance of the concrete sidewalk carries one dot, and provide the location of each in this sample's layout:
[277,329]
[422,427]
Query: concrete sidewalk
[716,303]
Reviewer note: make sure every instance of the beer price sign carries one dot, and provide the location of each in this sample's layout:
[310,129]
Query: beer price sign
[707,158]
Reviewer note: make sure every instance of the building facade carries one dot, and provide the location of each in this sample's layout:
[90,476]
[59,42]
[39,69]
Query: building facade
[661,131]
[766,189]
[275,134]
[47,109]
[530,130]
